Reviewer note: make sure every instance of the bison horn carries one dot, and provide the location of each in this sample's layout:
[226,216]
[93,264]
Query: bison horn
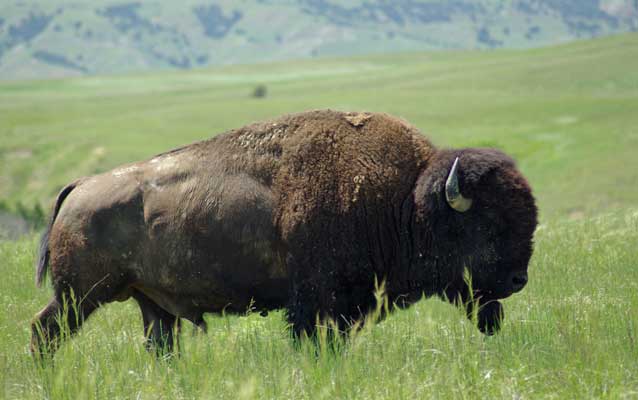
[452,193]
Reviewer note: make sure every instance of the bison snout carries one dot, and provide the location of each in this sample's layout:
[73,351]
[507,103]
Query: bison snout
[519,280]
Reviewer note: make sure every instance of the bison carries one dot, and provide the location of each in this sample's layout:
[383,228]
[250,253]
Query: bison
[305,212]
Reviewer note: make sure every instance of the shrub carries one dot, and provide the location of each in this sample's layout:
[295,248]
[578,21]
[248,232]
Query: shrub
[260,91]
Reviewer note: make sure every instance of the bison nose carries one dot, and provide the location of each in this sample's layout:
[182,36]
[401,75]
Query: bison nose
[519,280]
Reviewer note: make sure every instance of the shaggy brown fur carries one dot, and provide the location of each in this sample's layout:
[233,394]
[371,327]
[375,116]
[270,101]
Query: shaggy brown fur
[302,212]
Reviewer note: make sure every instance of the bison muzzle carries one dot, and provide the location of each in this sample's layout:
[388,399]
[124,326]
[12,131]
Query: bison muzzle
[305,212]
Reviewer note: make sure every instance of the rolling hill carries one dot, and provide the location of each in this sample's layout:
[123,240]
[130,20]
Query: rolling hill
[55,38]
[566,113]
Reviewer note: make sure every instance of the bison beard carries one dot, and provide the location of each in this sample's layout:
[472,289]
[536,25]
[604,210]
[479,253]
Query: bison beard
[305,212]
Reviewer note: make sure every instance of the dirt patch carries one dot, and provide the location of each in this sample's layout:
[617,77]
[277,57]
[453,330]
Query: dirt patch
[20,154]
[576,215]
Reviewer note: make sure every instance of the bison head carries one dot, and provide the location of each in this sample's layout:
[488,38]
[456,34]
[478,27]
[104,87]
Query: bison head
[476,214]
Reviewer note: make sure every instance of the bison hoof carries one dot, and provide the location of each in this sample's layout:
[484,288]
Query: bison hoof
[490,316]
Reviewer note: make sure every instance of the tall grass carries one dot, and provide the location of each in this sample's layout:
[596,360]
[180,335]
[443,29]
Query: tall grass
[572,333]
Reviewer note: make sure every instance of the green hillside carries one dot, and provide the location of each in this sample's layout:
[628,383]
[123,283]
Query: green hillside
[53,38]
[567,114]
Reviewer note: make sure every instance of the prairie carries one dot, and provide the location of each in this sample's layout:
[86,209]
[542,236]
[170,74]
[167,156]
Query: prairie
[568,115]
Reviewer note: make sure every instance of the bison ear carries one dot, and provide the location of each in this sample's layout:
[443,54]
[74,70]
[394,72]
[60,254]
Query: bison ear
[452,191]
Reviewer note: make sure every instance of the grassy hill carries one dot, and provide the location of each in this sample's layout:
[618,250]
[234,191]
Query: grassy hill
[566,113]
[56,38]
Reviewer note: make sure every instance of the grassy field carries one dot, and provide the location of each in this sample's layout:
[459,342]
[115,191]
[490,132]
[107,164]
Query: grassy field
[567,114]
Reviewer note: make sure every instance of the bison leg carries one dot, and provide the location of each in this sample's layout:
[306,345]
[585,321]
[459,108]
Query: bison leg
[200,324]
[325,320]
[160,327]
[307,304]
[311,307]
[302,317]
[329,302]
[62,317]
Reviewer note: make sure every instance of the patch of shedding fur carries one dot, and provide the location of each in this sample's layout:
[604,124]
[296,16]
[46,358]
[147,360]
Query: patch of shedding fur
[357,119]
[124,171]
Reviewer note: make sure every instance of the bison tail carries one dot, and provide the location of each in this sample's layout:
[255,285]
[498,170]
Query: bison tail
[43,254]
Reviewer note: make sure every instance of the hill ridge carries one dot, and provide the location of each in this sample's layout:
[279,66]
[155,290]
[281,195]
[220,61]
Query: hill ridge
[55,38]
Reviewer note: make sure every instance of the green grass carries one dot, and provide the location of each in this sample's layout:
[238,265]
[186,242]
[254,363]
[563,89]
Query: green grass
[567,114]
[572,333]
